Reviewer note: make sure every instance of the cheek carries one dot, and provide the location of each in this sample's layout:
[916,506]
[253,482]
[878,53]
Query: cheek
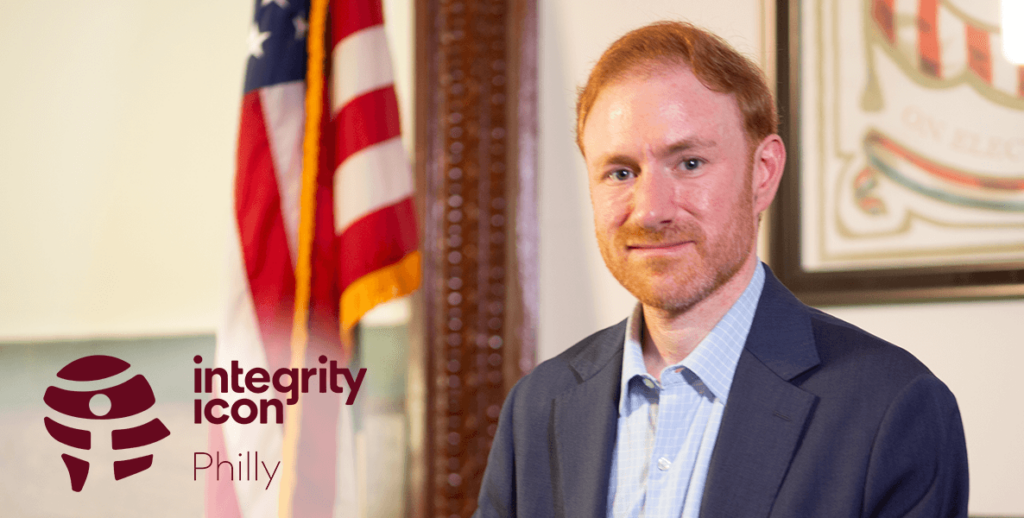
[611,208]
[711,193]
[732,214]
[609,216]
[723,199]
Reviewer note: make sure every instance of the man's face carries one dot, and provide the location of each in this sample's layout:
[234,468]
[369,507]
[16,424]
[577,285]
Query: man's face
[670,180]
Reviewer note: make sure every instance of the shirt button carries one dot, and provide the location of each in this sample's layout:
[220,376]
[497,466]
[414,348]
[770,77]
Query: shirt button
[664,464]
[649,383]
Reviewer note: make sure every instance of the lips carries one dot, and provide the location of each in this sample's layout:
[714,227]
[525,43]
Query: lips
[655,250]
[656,246]
[633,238]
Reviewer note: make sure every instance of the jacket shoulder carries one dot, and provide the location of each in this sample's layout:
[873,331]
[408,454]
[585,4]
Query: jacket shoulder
[574,365]
[844,346]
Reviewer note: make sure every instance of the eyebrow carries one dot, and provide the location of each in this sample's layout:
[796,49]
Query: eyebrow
[625,160]
[688,144]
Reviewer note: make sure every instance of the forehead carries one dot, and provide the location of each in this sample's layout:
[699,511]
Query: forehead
[660,106]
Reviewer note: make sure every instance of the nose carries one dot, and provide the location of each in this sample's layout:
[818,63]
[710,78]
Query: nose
[653,195]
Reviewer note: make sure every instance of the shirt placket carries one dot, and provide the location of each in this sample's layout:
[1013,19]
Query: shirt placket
[670,416]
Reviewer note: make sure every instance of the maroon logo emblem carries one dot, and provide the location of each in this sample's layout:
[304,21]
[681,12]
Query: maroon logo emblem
[127,399]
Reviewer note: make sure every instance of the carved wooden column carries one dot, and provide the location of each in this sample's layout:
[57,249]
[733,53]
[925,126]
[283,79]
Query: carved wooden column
[476,103]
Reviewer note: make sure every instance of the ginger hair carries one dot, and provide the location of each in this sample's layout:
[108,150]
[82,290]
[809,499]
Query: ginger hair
[650,49]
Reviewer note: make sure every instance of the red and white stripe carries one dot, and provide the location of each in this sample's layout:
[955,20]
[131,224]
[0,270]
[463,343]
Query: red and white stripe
[256,330]
[372,180]
[363,224]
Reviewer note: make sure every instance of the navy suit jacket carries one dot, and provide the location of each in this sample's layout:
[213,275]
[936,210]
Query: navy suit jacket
[823,420]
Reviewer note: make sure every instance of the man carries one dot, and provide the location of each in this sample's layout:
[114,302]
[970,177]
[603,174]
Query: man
[722,395]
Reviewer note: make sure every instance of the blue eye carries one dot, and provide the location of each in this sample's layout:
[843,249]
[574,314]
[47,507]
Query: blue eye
[692,163]
[620,174]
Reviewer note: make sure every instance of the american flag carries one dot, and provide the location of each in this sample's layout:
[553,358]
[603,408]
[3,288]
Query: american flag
[325,231]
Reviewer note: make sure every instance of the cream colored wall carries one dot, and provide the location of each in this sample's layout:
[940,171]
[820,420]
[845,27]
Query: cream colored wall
[118,123]
[975,347]
[116,156]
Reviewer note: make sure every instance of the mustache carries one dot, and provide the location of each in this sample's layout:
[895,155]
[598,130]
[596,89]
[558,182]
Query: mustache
[633,234]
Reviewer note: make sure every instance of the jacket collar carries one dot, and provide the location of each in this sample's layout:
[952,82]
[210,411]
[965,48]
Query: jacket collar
[585,418]
[781,336]
[605,347]
[766,414]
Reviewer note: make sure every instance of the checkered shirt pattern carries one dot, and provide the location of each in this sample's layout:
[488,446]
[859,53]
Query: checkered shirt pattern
[667,430]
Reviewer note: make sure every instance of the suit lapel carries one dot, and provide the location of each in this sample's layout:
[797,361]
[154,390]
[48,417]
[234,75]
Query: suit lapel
[763,421]
[585,424]
[765,414]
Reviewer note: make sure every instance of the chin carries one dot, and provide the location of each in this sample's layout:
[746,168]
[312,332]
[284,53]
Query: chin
[673,299]
[677,289]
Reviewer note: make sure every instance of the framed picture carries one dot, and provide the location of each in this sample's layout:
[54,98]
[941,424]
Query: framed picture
[904,125]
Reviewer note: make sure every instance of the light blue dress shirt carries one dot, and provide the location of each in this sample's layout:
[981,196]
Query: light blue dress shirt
[667,430]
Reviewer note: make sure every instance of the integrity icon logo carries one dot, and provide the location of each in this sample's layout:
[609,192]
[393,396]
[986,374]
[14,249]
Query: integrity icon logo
[119,401]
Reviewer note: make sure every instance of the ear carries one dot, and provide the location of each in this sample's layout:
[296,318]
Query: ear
[769,161]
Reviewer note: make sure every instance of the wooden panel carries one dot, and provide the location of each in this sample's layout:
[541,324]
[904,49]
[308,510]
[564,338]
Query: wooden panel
[476,99]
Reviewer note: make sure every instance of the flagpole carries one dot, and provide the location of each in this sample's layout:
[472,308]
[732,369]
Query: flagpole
[303,267]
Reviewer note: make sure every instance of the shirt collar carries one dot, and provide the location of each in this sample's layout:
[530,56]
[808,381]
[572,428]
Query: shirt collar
[715,357]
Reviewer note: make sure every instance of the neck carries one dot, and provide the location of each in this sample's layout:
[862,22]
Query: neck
[669,337]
